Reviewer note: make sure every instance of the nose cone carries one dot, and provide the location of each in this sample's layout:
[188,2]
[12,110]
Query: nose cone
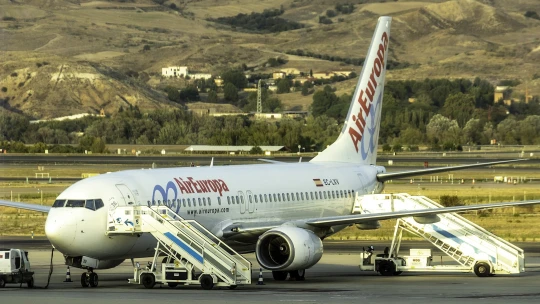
[60,229]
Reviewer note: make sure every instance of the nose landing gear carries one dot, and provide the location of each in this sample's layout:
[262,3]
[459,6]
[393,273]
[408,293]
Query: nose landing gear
[89,278]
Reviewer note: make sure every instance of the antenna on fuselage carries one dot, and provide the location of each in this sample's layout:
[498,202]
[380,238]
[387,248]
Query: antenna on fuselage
[300,160]
[212,162]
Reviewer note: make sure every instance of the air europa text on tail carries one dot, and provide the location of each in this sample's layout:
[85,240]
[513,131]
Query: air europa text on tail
[366,96]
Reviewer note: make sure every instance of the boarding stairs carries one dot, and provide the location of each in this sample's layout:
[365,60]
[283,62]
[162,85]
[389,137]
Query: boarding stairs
[185,240]
[464,241]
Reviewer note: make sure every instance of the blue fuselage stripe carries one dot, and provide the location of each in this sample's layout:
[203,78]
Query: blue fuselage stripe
[183,245]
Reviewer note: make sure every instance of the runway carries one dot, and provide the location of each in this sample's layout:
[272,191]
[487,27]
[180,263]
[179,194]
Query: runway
[335,279]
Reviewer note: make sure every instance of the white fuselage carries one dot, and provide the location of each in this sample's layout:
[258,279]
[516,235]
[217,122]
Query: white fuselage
[247,196]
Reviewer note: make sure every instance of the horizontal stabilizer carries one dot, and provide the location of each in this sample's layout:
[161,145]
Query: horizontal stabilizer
[382,177]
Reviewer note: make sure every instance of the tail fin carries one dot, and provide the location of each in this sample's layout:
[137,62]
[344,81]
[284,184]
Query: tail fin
[358,140]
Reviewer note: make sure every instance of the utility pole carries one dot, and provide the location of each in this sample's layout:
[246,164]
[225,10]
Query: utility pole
[259,97]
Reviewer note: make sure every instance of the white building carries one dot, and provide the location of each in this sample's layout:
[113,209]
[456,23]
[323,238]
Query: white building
[174,71]
[200,76]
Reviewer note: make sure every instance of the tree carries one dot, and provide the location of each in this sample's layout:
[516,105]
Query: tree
[256,150]
[472,132]
[189,93]
[305,91]
[230,92]
[146,47]
[283,86]
[212,96]
[441,129]
[460,107]
[323,100]
[235,77]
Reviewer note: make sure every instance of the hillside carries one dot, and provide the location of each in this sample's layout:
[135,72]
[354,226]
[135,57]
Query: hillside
[108,54]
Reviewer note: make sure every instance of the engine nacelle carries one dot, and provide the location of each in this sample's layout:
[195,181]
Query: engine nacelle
[371,225]
[288,248]
[85,262]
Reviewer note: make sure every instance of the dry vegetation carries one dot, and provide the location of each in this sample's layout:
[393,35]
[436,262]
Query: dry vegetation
[94,44]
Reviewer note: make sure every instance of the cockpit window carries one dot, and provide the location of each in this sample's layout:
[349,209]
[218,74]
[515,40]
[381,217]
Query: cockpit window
[90,205]
[58,203]
[75,203]
[99,203]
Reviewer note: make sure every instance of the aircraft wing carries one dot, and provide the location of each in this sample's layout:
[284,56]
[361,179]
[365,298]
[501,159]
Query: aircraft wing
[382,177]
[25,206]
[266,160]
[369,217]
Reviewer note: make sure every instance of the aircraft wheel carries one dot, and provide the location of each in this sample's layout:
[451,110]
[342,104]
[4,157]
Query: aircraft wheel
[207,282]
[93,279]
[482,269]
[148,280]
[85,282]
[279,275]
[298,275]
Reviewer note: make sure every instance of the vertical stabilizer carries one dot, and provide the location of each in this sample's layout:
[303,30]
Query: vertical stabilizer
[359,137]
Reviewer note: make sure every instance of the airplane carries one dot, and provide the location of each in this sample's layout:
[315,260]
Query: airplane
[280,211]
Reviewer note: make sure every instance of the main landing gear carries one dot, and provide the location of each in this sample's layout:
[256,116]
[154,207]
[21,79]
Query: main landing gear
[295,275]
[89,278]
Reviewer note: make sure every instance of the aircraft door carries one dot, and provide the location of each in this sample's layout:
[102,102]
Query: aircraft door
[240,197]
[251,206]
[127,195]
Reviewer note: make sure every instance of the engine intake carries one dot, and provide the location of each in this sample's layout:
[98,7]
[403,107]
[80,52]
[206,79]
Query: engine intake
[288,248]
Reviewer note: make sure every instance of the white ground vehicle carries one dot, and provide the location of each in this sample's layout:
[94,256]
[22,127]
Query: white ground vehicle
[15,268]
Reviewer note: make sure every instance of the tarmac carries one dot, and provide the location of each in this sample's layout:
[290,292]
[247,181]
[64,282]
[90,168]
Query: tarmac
[335,279]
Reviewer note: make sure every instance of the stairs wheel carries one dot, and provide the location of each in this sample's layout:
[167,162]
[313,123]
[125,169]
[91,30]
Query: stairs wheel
[148,280]
[482,269]
[207,282]
[387,268]
[172,285]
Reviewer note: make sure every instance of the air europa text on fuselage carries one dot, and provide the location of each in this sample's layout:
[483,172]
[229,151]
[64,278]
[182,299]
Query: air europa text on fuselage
[366,96]
[190,185]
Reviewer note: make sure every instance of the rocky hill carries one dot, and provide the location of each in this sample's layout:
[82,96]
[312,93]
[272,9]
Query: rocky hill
[62,57]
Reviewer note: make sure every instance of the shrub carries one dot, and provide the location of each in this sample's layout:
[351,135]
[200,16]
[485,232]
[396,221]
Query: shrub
[450,200]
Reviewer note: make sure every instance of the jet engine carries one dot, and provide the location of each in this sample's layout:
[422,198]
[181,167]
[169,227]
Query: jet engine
[85,262]
[288,248]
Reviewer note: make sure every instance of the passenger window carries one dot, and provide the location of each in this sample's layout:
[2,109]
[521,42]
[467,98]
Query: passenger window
[242,200]
[292,196]
[204,201]
[316,195]
[98,203]
[261,198]
[237,200]
[302,195]
[311,195]
[250,199]
[209,202]
[58,203]
[266,198]
[333,194]
[189,202]
[279,197]
[75,203]
[255,196]
[275,197]
[228,200]
[325,197]
[184,202]
[219,200]
[199,199]
[90,205]
[288,197]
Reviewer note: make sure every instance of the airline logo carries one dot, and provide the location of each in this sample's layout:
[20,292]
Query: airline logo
[366,98]
[170,193]
[318,182]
